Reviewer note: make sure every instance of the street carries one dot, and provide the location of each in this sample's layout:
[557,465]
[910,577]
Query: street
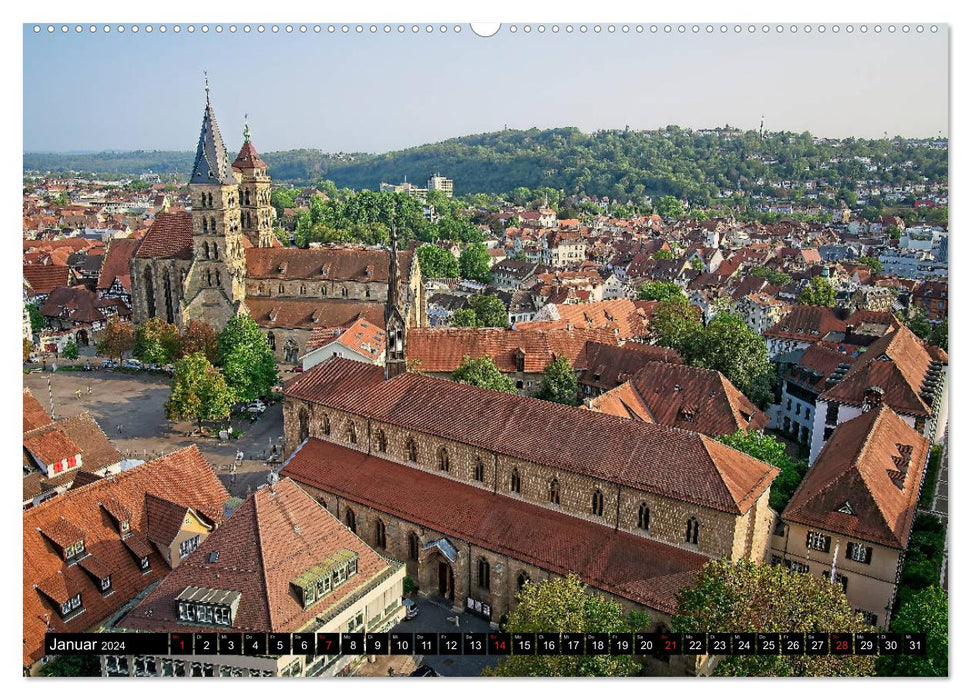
[130,408]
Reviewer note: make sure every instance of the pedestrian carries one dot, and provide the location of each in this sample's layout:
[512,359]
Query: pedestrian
[89,390]
[78,392]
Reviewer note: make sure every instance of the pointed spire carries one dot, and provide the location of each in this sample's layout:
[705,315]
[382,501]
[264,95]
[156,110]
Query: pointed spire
[393,267]
[205,75]
[211,165]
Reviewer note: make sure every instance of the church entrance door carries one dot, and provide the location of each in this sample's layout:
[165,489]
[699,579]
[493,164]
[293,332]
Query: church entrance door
[446,581]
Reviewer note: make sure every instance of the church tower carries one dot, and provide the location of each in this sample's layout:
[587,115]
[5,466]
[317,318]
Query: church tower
[394,322]
[256,214]
[215,285]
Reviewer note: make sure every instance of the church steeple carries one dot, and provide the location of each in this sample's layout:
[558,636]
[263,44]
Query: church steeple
[211,166]
[254,193]
[394,322]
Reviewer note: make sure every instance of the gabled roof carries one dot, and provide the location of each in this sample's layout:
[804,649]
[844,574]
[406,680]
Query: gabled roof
[45,278]
[117,261]
[633,567]
[875,463]
[674,463]
[170,236]
[165,519]
[268,541]
[278,312]
[364,338]
[898,364]
[607,366]
[680,396]
[811,323]
[181,476]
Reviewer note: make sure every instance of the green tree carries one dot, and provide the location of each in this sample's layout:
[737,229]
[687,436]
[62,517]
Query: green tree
[199,391]
[199,336]
[772,451]
[567,604]
[659,291]
[728,345]
[669,207]
[437,262]
[474,263]
[775,277]
[560,383]
[675,323]
[70,351]
[664,254]
[28,349]
[926,612]
[938,336]
[918,323]
[745,596]
[37,321]
[246,359]
[72,666]
[464,318]
[489,311]
[819,293]
[483,373]
[156,342]
[876,267]
[117,338]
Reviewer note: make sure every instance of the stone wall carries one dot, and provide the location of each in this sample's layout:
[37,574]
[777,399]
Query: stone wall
[173,269]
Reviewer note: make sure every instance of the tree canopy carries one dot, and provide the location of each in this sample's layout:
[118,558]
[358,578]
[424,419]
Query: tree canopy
[938,336]
[820,292]
[659,291]
[560,383]
[918,323]
[199,336]
[246,359]
[117,338]
[728,345]
[489,311]
[437,262]
[926,612]
[744,596]
[675,323]
[567,605]
[156,342]
[483,373]
[772,451]
[474,263]
[199,391]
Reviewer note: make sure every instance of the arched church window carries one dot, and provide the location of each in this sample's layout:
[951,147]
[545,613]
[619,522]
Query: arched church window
[271,339]
[443,462]
[643,517]
[691,533]
[514,483]
[478,472]
[350,520]
[411,450]
[351,433]
[598,502]
[555,491]
[382,441]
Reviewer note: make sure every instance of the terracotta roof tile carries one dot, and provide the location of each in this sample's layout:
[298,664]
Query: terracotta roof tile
[51,446]
[338,264]
[671,462]
[117,263]
[34,414]
[272,538]
[183,476]
[273,312]
[635,568]
[169,237]
[857,466]
[43,279]
[248,158]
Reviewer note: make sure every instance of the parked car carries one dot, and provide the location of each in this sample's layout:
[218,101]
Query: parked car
[256,407]
[132,364]
[109,364]
[411,608]
[169,369]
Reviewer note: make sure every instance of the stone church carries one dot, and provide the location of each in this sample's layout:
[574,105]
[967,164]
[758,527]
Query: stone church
[221,258]
[479,492]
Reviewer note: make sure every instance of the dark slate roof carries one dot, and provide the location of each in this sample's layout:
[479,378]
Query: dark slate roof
[212,162]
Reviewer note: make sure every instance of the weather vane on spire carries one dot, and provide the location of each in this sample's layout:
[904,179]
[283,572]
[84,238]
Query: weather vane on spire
[205,75]
[246,128]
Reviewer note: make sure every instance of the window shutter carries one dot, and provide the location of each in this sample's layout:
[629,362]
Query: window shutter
[827,540]
[809,539]
[868,554]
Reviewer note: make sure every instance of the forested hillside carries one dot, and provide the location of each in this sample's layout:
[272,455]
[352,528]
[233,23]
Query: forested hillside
[698,166]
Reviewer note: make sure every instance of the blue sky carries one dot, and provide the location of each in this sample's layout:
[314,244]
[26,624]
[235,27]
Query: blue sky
[381,92]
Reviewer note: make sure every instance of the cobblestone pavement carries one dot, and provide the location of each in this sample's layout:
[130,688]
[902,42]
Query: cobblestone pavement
[130,410]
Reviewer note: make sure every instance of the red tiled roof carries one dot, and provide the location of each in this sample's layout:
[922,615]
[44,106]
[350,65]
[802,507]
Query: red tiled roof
[275,312]
[116,265]
[861,465]
[608,366]
[45,278]
[803,320]
[897,363]
[51,446]
[444,349]
[169,237]
[686,397]
[362,337]
[272,538]
[248,158]
[34,414]
[674,463]
[635,568]
[620,314]
[164,519]
[183,476]
[351,264]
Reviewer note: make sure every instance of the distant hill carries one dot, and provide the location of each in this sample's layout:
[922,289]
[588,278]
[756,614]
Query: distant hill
[700,166]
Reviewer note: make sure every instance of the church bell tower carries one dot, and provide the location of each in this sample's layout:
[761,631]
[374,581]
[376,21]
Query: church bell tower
[256,214]
[215,285]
